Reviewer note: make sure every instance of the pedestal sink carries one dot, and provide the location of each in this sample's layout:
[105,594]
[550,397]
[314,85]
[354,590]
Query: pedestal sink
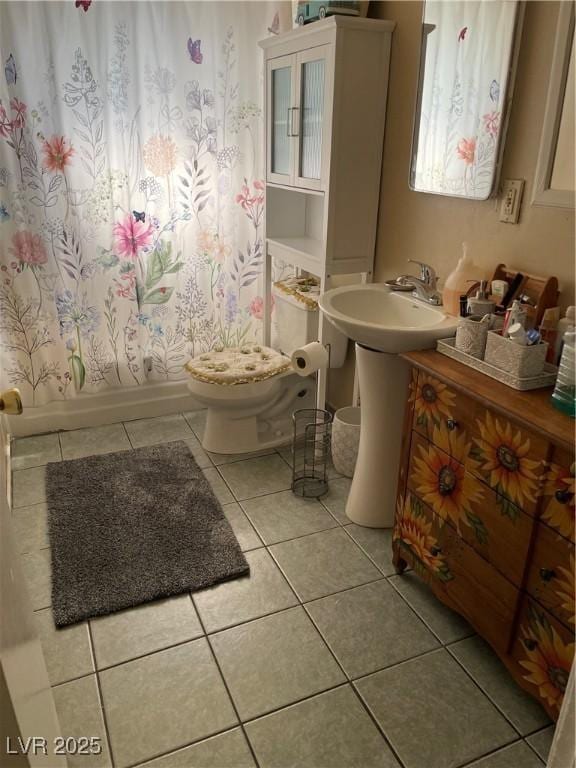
[383,323]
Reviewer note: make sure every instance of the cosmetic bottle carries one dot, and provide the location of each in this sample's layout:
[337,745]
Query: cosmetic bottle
[515,314]
[517,334]
[549,331]
[498,289]
[567,323]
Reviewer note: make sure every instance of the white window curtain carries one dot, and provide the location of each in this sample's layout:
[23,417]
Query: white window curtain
[131,192]
[467,49]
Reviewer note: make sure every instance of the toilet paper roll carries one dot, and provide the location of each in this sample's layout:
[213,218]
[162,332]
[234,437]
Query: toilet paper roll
[309,358]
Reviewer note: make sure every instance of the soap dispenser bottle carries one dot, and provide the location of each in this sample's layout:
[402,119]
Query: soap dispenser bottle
[457,281]
[481,304]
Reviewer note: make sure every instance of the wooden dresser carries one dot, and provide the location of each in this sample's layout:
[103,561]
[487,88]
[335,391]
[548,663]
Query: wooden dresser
[485,514]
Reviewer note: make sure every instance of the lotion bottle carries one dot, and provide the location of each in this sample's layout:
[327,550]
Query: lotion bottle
[567,323]
[457,282]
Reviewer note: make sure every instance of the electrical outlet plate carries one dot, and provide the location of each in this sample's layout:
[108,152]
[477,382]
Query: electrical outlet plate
[511,199]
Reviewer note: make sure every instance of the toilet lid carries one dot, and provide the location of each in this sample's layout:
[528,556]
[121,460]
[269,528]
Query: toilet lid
[238,365]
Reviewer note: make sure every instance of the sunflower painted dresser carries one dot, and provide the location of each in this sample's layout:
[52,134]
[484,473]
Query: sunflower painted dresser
[485,514]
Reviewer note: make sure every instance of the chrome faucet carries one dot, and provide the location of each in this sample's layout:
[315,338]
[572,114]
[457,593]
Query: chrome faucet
[424,287]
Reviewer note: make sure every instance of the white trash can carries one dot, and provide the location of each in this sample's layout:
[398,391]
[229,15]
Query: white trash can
[345,440]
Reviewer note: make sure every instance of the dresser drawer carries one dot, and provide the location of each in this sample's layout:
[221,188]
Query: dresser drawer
[457,574]
[496,529]
[435,404]
[551,575]
[542,654]
[508,458]
[557,509]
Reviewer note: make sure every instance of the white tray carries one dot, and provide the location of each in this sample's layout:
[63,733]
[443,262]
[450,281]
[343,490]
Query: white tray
[546,379]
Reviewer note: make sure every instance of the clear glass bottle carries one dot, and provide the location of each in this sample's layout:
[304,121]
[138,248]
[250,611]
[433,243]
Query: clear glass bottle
[564,395]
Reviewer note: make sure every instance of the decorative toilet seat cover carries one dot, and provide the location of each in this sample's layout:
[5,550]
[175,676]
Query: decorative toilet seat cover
[301,291]
[238,365]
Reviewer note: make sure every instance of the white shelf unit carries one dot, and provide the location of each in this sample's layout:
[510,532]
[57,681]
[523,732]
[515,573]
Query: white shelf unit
[325,108]
[294,227]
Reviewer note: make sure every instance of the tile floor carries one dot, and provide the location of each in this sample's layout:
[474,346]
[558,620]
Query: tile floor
[322,658]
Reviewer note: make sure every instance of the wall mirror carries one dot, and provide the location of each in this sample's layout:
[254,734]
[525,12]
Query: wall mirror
[554,180]
[467,64]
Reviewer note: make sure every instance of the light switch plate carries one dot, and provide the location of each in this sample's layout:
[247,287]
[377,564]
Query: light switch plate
[511,199]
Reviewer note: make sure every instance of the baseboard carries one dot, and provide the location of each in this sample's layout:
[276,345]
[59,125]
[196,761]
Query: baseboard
[91,410]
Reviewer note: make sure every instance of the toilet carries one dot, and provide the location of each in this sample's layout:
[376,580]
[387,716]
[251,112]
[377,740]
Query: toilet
[251,392]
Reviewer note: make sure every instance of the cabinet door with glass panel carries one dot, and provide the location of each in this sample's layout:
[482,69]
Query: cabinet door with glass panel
[281,89]
[297,98]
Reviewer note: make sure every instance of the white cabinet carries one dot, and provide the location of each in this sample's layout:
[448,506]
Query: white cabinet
[325,108]
[297,93]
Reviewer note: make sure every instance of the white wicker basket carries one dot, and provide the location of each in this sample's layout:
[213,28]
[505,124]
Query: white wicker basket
[345,440]
[471,337]
[544,379]
[518,360]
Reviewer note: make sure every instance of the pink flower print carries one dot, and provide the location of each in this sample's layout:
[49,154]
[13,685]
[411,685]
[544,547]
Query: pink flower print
[130,236]
[466,150]
[244,197]
[28,248]
[126,289]
[257,307]
[19,108]
[492,123]
[56,154]
[259,191]
[247,200]
[19,120]
[252,203]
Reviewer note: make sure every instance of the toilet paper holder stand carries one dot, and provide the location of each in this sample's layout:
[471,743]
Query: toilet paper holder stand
[311,451]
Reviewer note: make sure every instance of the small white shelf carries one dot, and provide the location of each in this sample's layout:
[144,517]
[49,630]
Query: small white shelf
[304,252]
[317,192]
[295,227]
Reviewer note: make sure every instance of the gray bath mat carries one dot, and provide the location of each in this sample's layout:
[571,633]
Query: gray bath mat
[133,526]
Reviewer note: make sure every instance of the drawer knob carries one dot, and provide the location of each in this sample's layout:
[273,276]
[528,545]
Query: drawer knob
[563,496]
[547,574]
[530,643]
[435,551]
[452,424]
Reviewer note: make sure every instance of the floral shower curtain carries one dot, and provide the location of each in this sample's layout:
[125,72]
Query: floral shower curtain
[131,197]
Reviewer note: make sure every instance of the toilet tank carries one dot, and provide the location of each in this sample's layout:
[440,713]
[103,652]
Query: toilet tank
[295,319]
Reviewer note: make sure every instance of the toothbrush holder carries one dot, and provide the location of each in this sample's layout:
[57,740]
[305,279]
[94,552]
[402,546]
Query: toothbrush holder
[471,336]
[516,359]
